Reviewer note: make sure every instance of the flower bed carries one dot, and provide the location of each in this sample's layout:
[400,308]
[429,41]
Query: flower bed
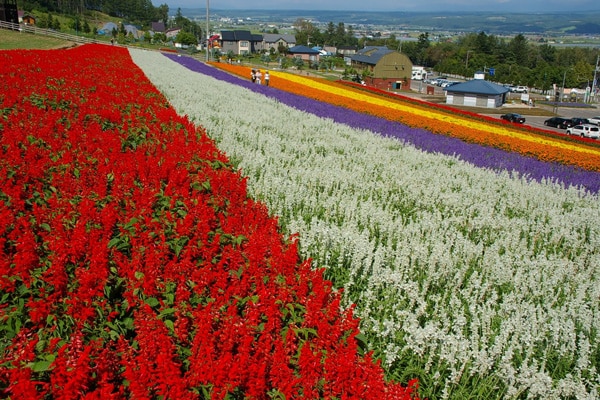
[483,156]
[481,282]
[134,264]
[462,125]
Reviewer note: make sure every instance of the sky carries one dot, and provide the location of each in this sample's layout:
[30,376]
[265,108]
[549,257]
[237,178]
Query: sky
[517,6]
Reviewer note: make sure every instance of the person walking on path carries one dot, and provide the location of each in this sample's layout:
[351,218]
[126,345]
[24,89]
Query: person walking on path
[267,77]
[253,76]
[258,76]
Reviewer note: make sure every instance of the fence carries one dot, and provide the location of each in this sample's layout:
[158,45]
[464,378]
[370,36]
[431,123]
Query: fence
[45,32]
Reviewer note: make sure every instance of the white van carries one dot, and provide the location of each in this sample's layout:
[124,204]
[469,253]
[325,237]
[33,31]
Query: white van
[587,130]
[418,73]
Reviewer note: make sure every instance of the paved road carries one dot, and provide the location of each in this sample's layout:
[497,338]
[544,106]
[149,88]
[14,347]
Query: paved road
[531,120]
[537,121]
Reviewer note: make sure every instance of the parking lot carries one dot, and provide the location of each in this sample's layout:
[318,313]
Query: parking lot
[419,90]
[566,112]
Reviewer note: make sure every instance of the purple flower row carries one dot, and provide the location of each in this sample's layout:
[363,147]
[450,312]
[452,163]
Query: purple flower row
[481,156]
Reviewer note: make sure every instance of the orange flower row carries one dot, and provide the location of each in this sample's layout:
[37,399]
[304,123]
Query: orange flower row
[529,142]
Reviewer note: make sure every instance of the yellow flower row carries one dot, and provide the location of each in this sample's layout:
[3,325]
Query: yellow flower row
[465,122]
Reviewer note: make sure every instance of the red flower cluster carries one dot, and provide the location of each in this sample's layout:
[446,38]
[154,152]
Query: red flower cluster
[134,265]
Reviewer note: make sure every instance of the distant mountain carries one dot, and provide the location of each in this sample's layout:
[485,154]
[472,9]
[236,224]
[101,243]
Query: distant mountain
[489,22]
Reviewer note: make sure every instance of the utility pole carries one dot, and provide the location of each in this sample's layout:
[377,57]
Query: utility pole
[207,32]
[563,85]
[594,83]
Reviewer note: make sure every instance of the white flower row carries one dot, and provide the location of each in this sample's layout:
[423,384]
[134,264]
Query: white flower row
[466,272]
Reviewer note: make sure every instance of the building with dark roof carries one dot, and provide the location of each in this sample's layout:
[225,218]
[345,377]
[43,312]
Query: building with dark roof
[240,42]
[158,26]
[305,53]
[477,93]
[383,68]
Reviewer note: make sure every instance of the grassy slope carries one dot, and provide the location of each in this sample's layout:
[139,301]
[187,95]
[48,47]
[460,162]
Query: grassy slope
[10,40]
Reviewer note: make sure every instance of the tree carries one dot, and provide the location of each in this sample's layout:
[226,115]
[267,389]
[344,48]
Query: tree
[282,48]
[298,62]
[162,13]
[417,51]
[547,53]
[86,27]
[520,50]
[159,37]
[582,74]
[330,34]
[306,32]
[186,38]
[180,20]
[76,24]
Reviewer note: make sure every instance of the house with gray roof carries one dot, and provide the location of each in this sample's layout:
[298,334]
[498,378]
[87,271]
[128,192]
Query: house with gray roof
[107,28]
[384,68]
[276,40]
[477,93]
[132,30]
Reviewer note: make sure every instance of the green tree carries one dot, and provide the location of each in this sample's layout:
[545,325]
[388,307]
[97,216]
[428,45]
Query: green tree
[159,37]
[186,38]
[307,33]
[86,27]
[298,62]
[547,53]
[282,48]
[329,36]
[519,48]
[162,14]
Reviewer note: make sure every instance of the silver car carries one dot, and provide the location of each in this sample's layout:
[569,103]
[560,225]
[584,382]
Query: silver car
[587,130]
[594,120]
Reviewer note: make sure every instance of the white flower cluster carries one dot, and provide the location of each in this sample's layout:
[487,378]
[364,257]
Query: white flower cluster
[472,275]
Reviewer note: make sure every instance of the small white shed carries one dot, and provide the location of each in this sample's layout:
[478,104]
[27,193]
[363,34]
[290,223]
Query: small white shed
[477,93]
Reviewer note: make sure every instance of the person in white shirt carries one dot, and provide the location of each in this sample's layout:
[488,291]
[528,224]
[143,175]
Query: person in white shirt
[258,76]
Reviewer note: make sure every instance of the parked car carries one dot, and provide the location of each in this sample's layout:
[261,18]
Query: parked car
[519,89]
[447,84]
[512,117]
[559,122]
[579,121]
[594,120]
[587,130]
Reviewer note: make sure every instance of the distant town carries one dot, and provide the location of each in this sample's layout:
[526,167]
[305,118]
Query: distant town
[574,29]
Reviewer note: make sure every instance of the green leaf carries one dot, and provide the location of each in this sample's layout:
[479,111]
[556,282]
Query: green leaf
[169,324]
[361,341]
[166,311]
[114,242]
[114,335]
[152,302]
[42,366]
